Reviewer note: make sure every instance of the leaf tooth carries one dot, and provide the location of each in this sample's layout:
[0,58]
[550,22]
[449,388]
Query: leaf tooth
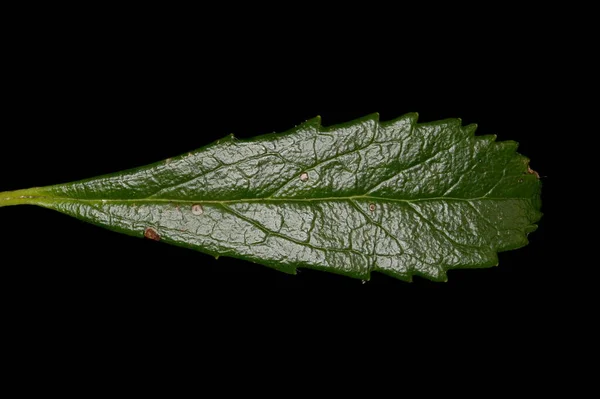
[413,117]
[313,122]
[471,129]
[448,123]
[508,145]
[406,277]
[488,137]
[374,116]
[437,274]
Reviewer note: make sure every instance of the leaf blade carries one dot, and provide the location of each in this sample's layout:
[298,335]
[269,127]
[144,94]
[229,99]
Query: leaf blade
[396,197]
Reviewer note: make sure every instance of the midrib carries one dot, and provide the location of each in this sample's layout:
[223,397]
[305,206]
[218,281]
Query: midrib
[33,199]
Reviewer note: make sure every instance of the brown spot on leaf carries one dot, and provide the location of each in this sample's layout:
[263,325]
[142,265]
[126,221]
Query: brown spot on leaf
[532,172]
[197,209]
[372,207]
[151,234]
[304,177]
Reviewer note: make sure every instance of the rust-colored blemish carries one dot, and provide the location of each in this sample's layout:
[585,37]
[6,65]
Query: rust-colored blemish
[532,172]
[197,209]
[151,234]
[372,207]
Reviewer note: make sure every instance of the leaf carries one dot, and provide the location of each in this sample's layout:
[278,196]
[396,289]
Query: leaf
[398,197]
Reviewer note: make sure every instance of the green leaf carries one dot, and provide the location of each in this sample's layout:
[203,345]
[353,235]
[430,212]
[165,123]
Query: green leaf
[398,197]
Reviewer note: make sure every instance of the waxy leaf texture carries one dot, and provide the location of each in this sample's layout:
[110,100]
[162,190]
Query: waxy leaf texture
[397,197]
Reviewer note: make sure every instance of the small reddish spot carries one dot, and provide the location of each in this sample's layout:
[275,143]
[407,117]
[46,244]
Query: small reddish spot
[197,209]
[304,177]
[372,207]
[151,234]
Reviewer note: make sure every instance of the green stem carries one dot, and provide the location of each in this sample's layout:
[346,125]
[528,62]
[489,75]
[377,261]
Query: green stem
[19,197]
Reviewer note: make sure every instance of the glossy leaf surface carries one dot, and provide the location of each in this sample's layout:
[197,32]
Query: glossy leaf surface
[395,197]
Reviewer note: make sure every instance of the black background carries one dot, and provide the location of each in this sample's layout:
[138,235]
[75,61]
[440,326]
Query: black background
[81,107]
